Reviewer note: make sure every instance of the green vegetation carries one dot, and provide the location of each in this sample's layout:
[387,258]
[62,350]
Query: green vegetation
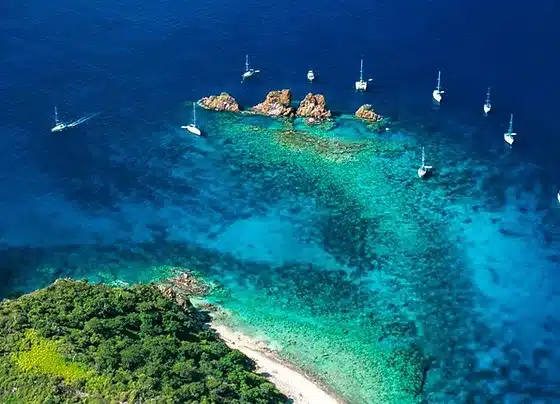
[79,343]
[43,358]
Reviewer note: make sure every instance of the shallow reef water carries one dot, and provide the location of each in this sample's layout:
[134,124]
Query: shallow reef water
[324,241]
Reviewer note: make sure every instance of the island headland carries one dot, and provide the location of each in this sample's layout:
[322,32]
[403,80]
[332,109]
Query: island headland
[79,342]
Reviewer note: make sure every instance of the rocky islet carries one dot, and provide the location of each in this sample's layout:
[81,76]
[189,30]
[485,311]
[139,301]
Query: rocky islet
[222,102]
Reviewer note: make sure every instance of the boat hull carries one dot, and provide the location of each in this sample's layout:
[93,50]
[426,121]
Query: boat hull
[487,108]
[436,95]
[424,171]
[58,128]
[248,74]
[193,129]
[361,85]
[508,138]
[558,196]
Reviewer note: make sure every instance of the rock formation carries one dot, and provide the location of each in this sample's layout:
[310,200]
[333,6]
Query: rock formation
[172,294]
[222,102]
[182,286]
[189,284]
[277,103]
[313,106]
[367,113]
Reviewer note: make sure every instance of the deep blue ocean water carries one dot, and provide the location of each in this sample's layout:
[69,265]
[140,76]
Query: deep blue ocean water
[471,258]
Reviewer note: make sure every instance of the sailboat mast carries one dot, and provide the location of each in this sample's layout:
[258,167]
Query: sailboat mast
[246,63]
[194,113]
[56,115]
[510,124]
[423,157]
[438,80]
[361,69]
[488,96]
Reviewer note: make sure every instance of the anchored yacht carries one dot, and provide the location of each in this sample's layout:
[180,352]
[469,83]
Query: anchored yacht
[361,84]
[424,170]
[509,135]
[487,105]
[192,127]
[248,71]
[437,93]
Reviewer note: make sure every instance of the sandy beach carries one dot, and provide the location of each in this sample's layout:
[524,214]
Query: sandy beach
[293,383]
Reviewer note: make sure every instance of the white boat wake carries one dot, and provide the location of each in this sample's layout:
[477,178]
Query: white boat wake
[81,120]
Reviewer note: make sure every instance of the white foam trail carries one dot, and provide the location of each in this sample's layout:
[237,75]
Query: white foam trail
[82,120]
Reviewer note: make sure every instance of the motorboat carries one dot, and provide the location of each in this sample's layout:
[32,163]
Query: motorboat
[310,76]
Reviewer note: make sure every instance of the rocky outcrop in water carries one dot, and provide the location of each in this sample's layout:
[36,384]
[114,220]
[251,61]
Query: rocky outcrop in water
[182,286]
[277,103]
[367,113]
[314,107]
[222,102]
[189,284]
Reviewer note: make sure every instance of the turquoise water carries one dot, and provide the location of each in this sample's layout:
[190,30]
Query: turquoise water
[324,241]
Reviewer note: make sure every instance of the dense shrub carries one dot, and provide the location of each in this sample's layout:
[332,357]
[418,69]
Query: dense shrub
[74,342]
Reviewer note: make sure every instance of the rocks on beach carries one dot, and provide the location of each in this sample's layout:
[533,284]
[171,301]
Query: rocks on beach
[277,103]
[313,107]
[367,113]
[222,102]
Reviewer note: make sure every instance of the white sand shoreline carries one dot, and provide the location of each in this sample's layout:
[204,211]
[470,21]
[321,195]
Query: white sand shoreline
[292,382]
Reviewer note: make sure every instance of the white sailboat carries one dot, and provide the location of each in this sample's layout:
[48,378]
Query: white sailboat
[192,127]
[437,93]
[248,71]
[424,169]
[310,76]
[508,136]
[487,105]
[558,196]
[361,84]
[58,125]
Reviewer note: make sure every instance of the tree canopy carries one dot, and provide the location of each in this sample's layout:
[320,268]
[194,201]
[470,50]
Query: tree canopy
[75,342]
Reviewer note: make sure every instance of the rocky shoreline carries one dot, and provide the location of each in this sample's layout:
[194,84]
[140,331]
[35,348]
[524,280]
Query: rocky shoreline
[279,104]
